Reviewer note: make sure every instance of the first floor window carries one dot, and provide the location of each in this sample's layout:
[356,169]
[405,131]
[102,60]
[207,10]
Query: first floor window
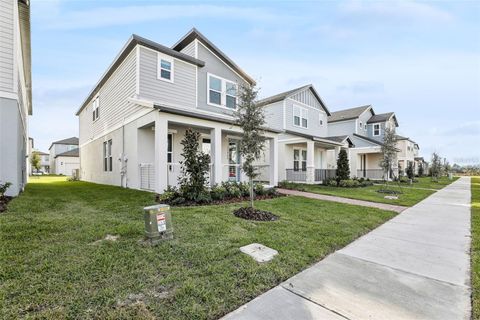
[107,156]
[300,117]
[170,152]
[376,129]
[299,160]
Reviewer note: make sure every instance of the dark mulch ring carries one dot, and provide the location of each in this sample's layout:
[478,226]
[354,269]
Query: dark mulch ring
[388,191]
[3,203]
[249,213]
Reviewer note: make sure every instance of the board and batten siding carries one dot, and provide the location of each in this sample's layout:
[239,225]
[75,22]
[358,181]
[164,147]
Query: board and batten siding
[114,104]
[189,49]
[180,92]
[7,45]
[306,97]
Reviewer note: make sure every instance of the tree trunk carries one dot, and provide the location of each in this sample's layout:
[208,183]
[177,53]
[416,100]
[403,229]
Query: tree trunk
[251,192]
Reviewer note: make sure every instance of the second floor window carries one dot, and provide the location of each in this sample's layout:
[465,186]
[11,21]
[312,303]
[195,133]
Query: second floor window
[221,92]
[300,117]
[376,129]
[95,109]
[107,155]
[165,68]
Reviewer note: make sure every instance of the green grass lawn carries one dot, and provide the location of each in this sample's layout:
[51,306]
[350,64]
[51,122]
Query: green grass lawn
[51,268]
[476,247]
[426,182]
[409,197]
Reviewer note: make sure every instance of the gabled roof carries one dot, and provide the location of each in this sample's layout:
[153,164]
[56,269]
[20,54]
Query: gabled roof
[283,95]
[195,34]
[68,141]
[383,117]
[125,51]
[399,137]
[70,153]
[368,139]
[342,139]
[349,114]
[333,142]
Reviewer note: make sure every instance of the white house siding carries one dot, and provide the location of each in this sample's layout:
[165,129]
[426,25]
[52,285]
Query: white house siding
[114,104]
[274,115]
[66,165]
[314,114]
[181,92]
[341,128]
[7,45]
[216,67]
[189,49]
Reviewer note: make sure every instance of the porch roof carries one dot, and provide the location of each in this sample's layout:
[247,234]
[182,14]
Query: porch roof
[202,115]
[372,141]
[334,141]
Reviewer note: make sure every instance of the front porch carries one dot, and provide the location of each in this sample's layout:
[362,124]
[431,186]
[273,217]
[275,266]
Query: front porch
[159,146]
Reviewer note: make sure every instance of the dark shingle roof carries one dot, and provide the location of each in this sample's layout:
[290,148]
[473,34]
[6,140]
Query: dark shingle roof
[348,114]
[195,34]
[341,139]
[383,117]
[399,137]
[315,138]
[72,140]
[283,95]
[70,153]
[369,139]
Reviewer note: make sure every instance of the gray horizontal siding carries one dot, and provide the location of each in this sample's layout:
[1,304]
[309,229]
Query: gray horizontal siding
[274,115]
[189,49]
[341,128]
[180,92]
[6,45]
[314,127]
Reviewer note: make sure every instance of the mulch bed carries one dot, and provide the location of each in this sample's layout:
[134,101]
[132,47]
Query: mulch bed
[3,203]
[223,201]
[249,213]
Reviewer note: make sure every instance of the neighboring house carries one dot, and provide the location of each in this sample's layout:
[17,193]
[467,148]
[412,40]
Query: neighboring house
[408,150]
[366,130]
[303,143]
[15,93]
[58,148]
[132,122]
[44,162]
[67,162]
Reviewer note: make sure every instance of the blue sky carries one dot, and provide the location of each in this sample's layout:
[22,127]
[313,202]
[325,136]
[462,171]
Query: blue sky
[418,59]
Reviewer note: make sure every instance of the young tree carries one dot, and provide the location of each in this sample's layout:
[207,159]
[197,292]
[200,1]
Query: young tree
[389,151]
[436,166]
[195,166]
[420,169]
[250,117]
[343,170]
[35,161]
[410,172]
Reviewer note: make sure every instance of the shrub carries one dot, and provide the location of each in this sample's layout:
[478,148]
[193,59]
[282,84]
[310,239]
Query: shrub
[331,183]
[343,170]
[259,189]
[218,192]
[348,183]
[244,188]
[409,170]
[203,197]
[169,195]
[3,188]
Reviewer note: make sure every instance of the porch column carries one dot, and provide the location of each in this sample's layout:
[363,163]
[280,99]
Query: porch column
[216,155]
[273,152]
[310,162]
[161,142]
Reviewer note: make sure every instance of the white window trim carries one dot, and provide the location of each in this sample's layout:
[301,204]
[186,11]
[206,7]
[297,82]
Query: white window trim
[97,99]
[300,160]
[306,116]
[170,164]
[379,129]
[361,125]
[320,119]
[223,92]
[161,57]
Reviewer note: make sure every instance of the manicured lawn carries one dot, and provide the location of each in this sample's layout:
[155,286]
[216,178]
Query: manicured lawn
[409,197]
[426,182]
[476,247]
[50,267]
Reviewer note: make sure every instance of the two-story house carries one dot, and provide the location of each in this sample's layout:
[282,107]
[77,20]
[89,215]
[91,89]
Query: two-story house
[64,156]
[302,117]
[44,162]
[15,92]
[408,152]
[133,121]
[366,130]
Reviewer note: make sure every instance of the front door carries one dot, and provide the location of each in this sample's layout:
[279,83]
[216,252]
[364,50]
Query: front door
[233,160]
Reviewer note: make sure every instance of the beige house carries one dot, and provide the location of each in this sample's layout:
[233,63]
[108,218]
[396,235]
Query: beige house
[408,153]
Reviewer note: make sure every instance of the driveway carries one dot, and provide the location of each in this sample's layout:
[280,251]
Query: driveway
[415,266]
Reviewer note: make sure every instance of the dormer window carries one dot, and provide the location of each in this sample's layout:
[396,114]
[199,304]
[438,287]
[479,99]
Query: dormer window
[221,92]
[165,68]
[376,129]
[95,108]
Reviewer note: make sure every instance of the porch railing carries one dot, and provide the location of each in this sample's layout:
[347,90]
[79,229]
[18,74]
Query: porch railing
[374,174]
[296,175]
[325,174]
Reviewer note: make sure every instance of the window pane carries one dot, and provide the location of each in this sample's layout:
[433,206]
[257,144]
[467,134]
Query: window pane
[296,154]
[166,65]
[215,97]
[110,163]
[105,164]
[296,120]
[215,84]
[169,144]
[295,165]
[304,155]
[98,112]
[93,115]
[169,157]
[304,166]
[231,88]
[165,74]
[231,102]
[304,122]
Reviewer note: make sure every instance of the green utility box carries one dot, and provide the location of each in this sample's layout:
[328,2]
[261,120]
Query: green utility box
[158,223]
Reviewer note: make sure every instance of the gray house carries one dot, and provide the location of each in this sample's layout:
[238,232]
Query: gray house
[366,130]
[15,92]
[63,147]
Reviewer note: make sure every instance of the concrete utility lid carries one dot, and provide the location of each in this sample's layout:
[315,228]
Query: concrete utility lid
[391,197]
[259,252]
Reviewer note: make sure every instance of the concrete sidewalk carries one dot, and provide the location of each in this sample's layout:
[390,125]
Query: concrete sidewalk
[415,266]
[363,203]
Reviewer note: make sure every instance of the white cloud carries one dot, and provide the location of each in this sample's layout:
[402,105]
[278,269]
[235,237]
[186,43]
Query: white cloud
[409,10]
